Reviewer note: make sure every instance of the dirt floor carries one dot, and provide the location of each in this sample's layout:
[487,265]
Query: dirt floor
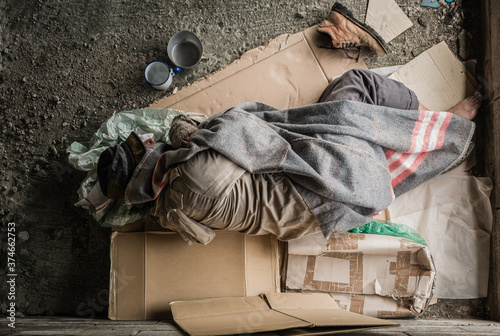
[67,66]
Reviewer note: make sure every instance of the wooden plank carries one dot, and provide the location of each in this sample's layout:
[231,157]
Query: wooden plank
[82,326]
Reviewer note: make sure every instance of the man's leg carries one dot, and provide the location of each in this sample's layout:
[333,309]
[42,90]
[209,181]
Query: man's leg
[368,87]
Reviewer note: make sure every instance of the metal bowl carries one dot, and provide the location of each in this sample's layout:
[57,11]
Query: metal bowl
[185,49]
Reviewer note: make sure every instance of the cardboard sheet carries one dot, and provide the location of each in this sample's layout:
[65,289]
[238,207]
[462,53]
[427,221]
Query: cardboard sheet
[230,316]
[364,266]
[387,18]
[151,269]
[273,312]
[374,305]
[454,215]
[290,71]
[437,77]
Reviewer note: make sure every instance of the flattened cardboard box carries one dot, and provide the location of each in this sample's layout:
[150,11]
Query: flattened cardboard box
[290,71]
[282,313]
[375,275]
[151,269]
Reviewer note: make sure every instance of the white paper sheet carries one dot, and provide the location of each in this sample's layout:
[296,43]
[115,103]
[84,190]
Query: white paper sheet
[452,212]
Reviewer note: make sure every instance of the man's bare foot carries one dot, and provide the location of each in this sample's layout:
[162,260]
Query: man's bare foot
[468,107]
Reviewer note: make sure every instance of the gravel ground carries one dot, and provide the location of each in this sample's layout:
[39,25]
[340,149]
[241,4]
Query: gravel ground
[67,66]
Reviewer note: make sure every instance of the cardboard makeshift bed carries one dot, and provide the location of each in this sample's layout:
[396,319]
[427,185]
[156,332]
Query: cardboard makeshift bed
[232,285]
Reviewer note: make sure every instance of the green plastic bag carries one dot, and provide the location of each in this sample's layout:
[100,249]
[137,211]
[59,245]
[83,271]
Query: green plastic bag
[390,229]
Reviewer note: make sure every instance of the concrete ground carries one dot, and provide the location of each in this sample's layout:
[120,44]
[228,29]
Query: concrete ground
[66,67]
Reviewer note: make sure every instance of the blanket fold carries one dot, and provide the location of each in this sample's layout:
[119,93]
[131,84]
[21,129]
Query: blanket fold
[347,159]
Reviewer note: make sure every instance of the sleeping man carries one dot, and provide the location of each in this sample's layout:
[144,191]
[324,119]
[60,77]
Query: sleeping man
[329,166]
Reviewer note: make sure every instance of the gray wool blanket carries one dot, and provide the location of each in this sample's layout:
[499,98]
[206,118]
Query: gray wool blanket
[347,159]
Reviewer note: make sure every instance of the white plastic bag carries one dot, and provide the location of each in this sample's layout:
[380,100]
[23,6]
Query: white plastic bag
[149,123]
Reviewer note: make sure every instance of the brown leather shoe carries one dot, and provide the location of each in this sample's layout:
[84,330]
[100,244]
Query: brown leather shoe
[347,32]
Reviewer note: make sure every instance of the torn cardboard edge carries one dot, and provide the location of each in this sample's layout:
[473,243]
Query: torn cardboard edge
[286,313]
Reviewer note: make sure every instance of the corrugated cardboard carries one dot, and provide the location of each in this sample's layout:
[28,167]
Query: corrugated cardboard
[364,266]
[437,77]
[301,314]
[290,71]
[151,269]
[376,305]
[387,18]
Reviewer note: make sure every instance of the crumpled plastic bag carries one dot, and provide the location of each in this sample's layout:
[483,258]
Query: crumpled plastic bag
[387,228]
[148,123]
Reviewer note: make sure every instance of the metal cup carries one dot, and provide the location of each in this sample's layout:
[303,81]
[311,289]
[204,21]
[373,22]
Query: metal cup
[159,74]
[185,49]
